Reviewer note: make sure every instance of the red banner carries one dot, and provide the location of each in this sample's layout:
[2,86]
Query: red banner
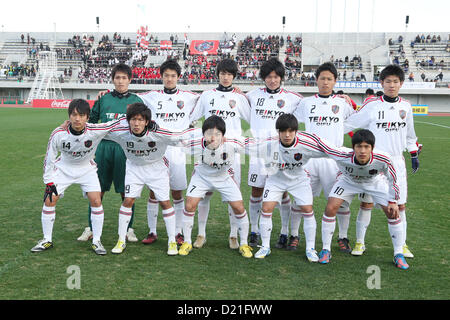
[204,47]
[165,44]
[55,104]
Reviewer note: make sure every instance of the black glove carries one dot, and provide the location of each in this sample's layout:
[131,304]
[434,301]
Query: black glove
[50,189]
[414,161]
[153,126]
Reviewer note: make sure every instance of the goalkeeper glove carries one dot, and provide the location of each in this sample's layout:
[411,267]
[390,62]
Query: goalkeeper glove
[50,189]
[414,161]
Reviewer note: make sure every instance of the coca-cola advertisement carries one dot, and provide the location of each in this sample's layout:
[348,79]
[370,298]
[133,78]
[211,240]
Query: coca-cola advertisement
[55,104]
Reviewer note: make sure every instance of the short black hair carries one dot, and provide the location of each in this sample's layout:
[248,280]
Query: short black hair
[363,135]
[170,64]
[214,122]
[121,67]
[80,105]
[379,93]
[286,121]
[340,92]
[327,66]
[138,108]
[227,65]
[370,91]
[392,70]
[273,64]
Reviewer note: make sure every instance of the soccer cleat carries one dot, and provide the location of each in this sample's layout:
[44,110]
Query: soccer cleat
[179,238]
[359,249]
[185,249]
[311,255]
[344,245]
[406,252]
[233,242]
[151,237]
[42,245]
[86,235]
[98,248]
[254,239]
[262,253]
[293,243]
[400,261]
[131,236]
[199,242]
[282,242]
[120,246]
[172,249]
[324,256]
[246,251]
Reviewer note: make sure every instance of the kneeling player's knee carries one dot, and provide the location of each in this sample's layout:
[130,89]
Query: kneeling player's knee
[128,202]
[331,209]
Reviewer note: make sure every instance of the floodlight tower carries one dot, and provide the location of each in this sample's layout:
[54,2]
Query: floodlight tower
[46,84]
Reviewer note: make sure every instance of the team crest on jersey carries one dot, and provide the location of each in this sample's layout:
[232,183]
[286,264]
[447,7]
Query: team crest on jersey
[151,144]
[232,103]
[281,103]
[224,156]
[335,109]
[298,156]
[88,143]
[180,104]
[402,114]
[373,172]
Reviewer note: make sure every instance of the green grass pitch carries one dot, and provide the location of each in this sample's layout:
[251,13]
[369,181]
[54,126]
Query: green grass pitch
[215,271]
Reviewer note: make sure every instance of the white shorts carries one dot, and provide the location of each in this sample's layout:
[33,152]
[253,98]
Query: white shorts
[299,189]
[257,173]
[224,184]
[155,176]
[322,173]
[88,181]
[177,168]
[345,190]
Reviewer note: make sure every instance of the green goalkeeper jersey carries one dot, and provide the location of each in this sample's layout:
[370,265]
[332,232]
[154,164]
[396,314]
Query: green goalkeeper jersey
[112,105]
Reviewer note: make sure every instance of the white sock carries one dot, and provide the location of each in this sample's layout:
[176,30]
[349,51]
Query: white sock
[343,218]
[97,217]
[296,219]
[124,219]
[396,231]
[48,219]
[405,224]
[254,209]
[362,222]
[241,223]
[178,206]
[234,225]
[265,228]
[152,215]
[285,213]
[309,228]
[169,220]
[203,212]
[328,226]
[188,224]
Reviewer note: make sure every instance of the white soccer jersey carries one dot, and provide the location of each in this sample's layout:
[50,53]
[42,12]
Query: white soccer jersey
[325,116]
[171,111]
[148,148]
[220,160]
[230,106]
[391,123]
[379,165]
[77,151]
[267,107]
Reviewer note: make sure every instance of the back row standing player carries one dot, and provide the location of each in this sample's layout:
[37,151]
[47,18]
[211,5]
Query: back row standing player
[172,109]
[267,104]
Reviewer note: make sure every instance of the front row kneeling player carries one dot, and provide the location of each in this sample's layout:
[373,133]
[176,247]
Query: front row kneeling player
[363,170]
[75,165]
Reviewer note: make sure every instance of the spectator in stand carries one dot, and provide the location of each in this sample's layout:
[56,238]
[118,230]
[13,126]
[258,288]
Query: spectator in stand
[411,77]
